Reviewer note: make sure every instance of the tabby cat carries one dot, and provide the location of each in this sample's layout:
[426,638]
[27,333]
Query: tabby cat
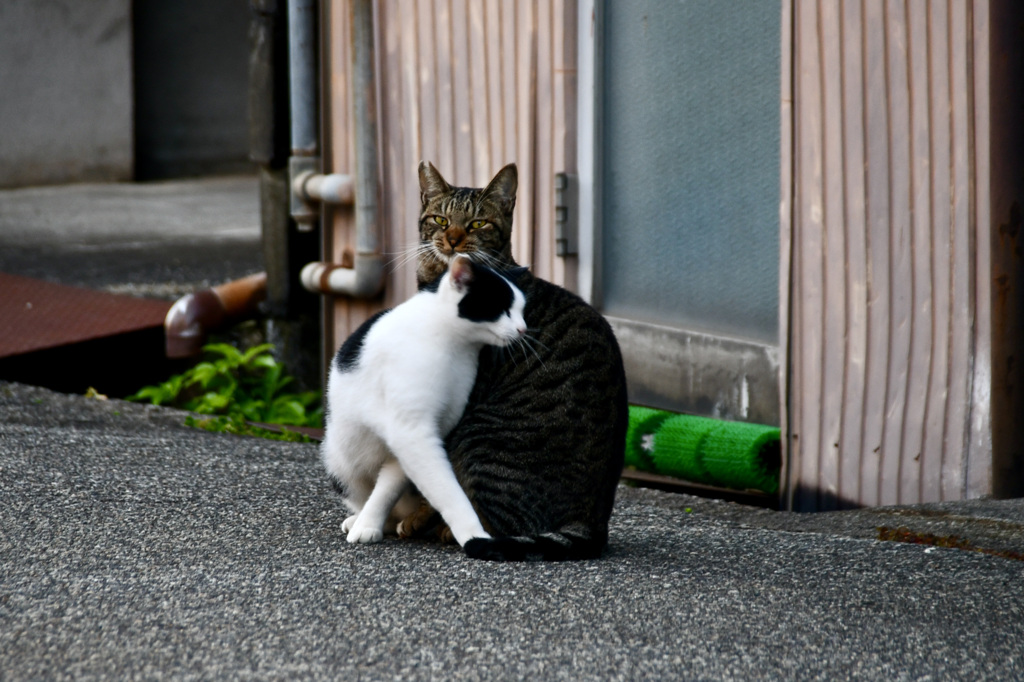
[539,449]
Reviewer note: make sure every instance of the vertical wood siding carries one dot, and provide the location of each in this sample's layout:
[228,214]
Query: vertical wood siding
[469,85]
[881,221]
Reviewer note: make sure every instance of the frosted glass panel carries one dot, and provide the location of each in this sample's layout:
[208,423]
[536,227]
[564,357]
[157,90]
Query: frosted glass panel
[690,216]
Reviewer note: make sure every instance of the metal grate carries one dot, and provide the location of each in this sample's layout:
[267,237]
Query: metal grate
[37,315]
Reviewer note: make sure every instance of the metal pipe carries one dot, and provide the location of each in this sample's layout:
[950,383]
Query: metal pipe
[192,317]
[365,278]
[364,106]
[302,89]
[302,76]
[334,188]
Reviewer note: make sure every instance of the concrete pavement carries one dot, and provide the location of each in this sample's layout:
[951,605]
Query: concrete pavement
[160,239]
[134,547]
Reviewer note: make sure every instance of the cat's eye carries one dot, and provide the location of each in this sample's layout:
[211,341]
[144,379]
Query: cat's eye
[477,224]
[440,220]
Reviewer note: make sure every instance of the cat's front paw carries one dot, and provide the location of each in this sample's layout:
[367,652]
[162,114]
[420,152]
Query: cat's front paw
[347,524]
[365,536]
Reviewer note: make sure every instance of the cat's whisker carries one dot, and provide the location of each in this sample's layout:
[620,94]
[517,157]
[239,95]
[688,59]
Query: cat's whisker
[535,340]
[437,255]
[511,356]
[495,262]
[523,348]
[484,258]
[400,258]
[410,254]
[525,344]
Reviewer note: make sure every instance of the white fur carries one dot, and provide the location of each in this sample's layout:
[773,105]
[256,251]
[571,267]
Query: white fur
[387,416]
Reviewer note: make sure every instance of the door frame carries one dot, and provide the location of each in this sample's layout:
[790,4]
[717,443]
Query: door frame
[666,367]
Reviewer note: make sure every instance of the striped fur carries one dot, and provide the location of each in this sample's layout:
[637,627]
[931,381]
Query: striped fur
[539,449]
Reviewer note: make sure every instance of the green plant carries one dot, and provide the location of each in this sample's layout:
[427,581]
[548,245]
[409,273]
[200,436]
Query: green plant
[240,386]
[240,427]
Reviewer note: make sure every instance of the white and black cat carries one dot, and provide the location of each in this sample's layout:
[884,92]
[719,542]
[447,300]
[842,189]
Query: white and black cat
[399,384]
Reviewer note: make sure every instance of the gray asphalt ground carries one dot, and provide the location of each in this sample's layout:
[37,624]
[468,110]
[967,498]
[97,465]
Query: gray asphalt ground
[133,547]
[157,239]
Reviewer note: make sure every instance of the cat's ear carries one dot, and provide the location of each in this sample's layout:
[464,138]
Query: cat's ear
[503,186]
[461,273]
[431,182]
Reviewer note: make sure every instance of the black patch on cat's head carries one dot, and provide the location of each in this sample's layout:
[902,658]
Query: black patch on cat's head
[488,295]
[515,274]
[348,354]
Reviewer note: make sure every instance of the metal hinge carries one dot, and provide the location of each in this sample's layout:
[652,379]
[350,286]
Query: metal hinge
[567,214]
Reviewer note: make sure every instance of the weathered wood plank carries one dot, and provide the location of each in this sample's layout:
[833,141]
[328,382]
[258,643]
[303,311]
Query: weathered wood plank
[462,91]
[523,100]
[899,287]
[855,299]
[477,91]
[832,380]
[918,389]
[808,257]
[961,282]
[786,240]
[876,111]
[542,251]
[934,449]
[497,115]
[441,49]
[991,99]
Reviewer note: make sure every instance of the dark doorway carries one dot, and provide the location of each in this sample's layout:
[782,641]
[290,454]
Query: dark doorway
[191,88]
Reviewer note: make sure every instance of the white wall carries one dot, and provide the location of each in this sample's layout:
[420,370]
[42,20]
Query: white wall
[66,84]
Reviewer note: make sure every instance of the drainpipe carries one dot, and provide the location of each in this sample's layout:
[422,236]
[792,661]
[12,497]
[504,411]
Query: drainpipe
[302,89]
[302,76]
[192,317]
[365,277]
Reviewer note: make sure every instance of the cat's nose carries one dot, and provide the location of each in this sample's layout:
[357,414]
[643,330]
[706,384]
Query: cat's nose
[454,237]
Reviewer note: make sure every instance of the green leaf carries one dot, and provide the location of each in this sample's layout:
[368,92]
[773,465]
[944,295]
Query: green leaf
[211,403]
[315,418]
[155,394]
[225,367]
[270,383]
[286,410]
[203,373]
[262,350]
[263,361]
[254,410]
[225,350]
